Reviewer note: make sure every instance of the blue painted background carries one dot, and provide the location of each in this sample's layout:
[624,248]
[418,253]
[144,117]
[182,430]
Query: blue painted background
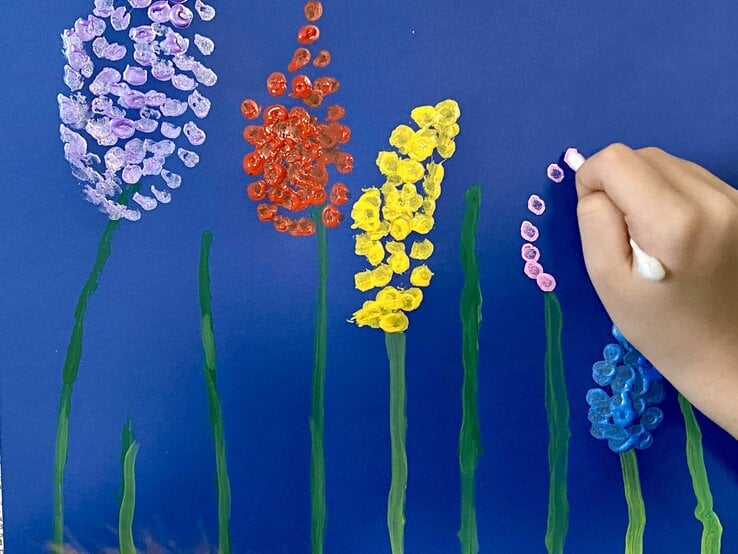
[532,78]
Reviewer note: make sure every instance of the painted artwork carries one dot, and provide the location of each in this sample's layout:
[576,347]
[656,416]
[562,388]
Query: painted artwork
[288,277]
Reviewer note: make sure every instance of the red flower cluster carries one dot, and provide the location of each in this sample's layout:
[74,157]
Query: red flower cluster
[292,149]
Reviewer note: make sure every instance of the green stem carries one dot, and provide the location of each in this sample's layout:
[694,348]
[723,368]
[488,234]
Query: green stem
[634,499]
[395,343]
[71,369]
[557,410]
[128,500]
[712,529]
[470,441]
[317,418]
[216,415]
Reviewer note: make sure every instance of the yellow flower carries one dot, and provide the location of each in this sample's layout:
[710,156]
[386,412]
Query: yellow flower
[363,280]
[369,314]
[410,197]
[446,149]
[381,275]
[429,206]
[388,163]
[424,116]
[396,322]
[448,111]
[421,250]
[398,261]
[447,132]
[410,171]
[421,276]
[389,299]
[421,146]
[400,136]
[433,179]
[411,299]
[375,253]
[422,223]
[400,228]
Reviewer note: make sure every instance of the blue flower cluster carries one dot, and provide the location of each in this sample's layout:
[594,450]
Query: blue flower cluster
[625,419]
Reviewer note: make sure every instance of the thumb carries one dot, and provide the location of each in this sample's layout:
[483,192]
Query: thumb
[605,245]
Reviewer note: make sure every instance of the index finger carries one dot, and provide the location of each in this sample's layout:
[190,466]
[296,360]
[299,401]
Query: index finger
[629,181]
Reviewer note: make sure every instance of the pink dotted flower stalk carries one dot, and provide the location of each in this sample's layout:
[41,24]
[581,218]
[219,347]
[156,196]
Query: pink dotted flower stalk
[129,120]
[135,100]
[530,253]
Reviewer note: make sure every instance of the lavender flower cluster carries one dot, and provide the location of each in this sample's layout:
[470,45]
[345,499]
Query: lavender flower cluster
[115,104]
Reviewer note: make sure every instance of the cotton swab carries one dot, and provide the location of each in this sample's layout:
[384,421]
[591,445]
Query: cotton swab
[648,266]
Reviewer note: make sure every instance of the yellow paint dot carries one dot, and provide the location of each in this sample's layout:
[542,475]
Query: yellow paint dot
[421,276]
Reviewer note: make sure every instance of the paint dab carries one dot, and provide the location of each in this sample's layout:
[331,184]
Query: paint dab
[536,204]
[555,173]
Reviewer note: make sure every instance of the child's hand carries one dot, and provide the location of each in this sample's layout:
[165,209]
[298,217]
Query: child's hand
[687,324]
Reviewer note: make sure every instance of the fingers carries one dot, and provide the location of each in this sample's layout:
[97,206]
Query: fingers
[701,184]
[631,183]
[605,245]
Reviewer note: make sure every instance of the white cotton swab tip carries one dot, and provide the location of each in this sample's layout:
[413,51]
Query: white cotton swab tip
[646,265]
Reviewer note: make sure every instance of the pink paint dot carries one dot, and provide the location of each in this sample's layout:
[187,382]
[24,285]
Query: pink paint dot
[555,173]
[533,269]
[536,204]
[546,282]
[529,231]
[530,253]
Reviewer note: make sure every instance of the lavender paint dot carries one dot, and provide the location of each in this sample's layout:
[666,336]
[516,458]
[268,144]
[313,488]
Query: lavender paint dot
[533,269]
[142,34]
[555,173]
[131,174]
[530,253]
[159,11]
[122,128]
[172,180]
[194,134]
[170,131]
[146,202]
[180,16]
[546,282]
[529,231]
[536,204]
[189,159]
[135,75]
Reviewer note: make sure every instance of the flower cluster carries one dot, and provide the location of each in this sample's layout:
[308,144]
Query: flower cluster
[531,254]
[293,150]
[390,214]
[111,104]
[625,419]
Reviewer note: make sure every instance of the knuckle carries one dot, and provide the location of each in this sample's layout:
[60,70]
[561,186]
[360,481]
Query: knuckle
[615,153]
[652,152]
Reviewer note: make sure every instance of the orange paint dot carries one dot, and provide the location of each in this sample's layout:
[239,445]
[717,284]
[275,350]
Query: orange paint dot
[276,84]
[300,58]
[313,10]
[250,109]
[322,58]
[308,34]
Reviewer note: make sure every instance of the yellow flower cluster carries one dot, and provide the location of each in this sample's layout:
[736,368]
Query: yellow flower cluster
[389,214]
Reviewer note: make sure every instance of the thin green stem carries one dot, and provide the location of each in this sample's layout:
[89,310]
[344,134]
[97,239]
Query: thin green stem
[317,418]
[128,499]
[712,529]
[557,410]
[216,415]
[634,499]
[395,343]
[470,441]
[71,369]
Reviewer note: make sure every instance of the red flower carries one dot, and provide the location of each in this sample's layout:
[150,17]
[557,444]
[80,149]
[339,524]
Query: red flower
[292,150]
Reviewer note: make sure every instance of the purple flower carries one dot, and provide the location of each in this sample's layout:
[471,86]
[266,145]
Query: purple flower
[119,129]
